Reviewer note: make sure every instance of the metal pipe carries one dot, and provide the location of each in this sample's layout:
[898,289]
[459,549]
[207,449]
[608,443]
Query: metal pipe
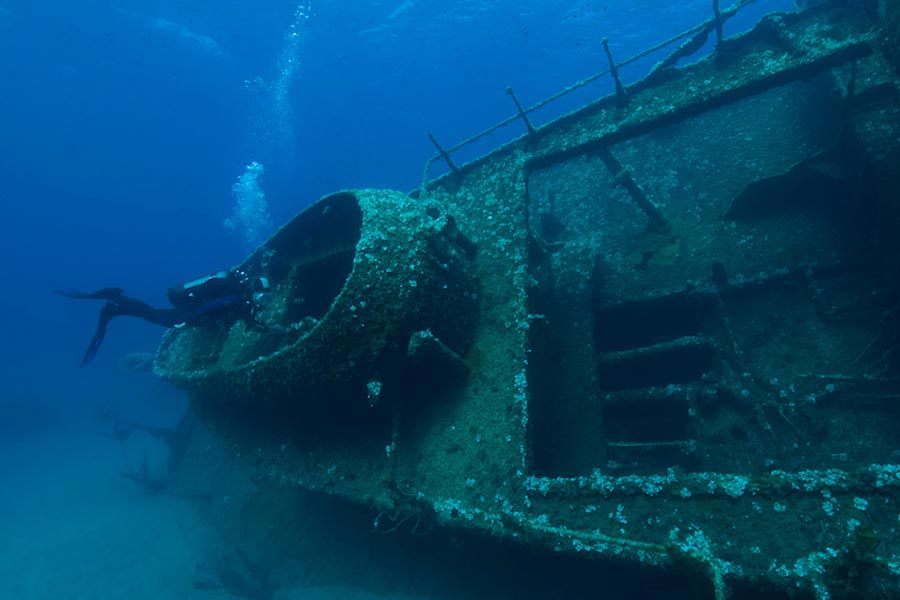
[718,22]
[623,177]
[444,154]
[512,94]
[621,94]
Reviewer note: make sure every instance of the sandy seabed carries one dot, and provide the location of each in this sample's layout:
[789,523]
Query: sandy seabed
[72,527]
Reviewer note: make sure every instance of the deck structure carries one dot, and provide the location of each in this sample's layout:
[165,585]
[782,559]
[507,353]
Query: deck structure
[655,330]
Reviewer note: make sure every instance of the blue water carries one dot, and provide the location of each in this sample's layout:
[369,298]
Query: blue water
[125,124]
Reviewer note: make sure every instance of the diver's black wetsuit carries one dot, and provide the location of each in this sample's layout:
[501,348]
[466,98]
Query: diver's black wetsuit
[228,298]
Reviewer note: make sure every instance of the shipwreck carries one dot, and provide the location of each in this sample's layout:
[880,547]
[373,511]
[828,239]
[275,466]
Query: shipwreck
[661,331]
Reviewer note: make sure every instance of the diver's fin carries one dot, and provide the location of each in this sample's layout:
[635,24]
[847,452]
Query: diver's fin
[110,293]
[108,311]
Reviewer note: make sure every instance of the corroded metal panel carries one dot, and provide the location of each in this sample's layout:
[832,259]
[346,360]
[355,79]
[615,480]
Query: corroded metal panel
[651,332]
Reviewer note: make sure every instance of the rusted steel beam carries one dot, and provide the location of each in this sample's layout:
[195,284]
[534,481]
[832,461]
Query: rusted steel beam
[522,113]
[718,14]
[444,154]
[625,179]
[621,94]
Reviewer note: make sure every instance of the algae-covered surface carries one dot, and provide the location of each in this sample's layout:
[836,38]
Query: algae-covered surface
[661,333]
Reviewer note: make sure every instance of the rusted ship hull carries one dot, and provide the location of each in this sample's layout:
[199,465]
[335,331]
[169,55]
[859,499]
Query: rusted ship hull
[662,329]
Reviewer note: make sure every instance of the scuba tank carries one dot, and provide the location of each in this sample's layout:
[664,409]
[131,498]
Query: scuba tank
[206,289]
[220,284]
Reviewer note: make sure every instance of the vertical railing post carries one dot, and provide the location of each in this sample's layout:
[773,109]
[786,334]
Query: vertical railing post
[699,33]
[444,154]
[718,15]
[621,94]
[522,113]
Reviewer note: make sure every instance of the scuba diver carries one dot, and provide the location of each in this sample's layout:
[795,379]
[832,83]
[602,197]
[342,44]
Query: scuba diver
[219,298]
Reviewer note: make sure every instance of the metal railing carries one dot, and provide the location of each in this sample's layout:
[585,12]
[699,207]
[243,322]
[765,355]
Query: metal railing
[697,38]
